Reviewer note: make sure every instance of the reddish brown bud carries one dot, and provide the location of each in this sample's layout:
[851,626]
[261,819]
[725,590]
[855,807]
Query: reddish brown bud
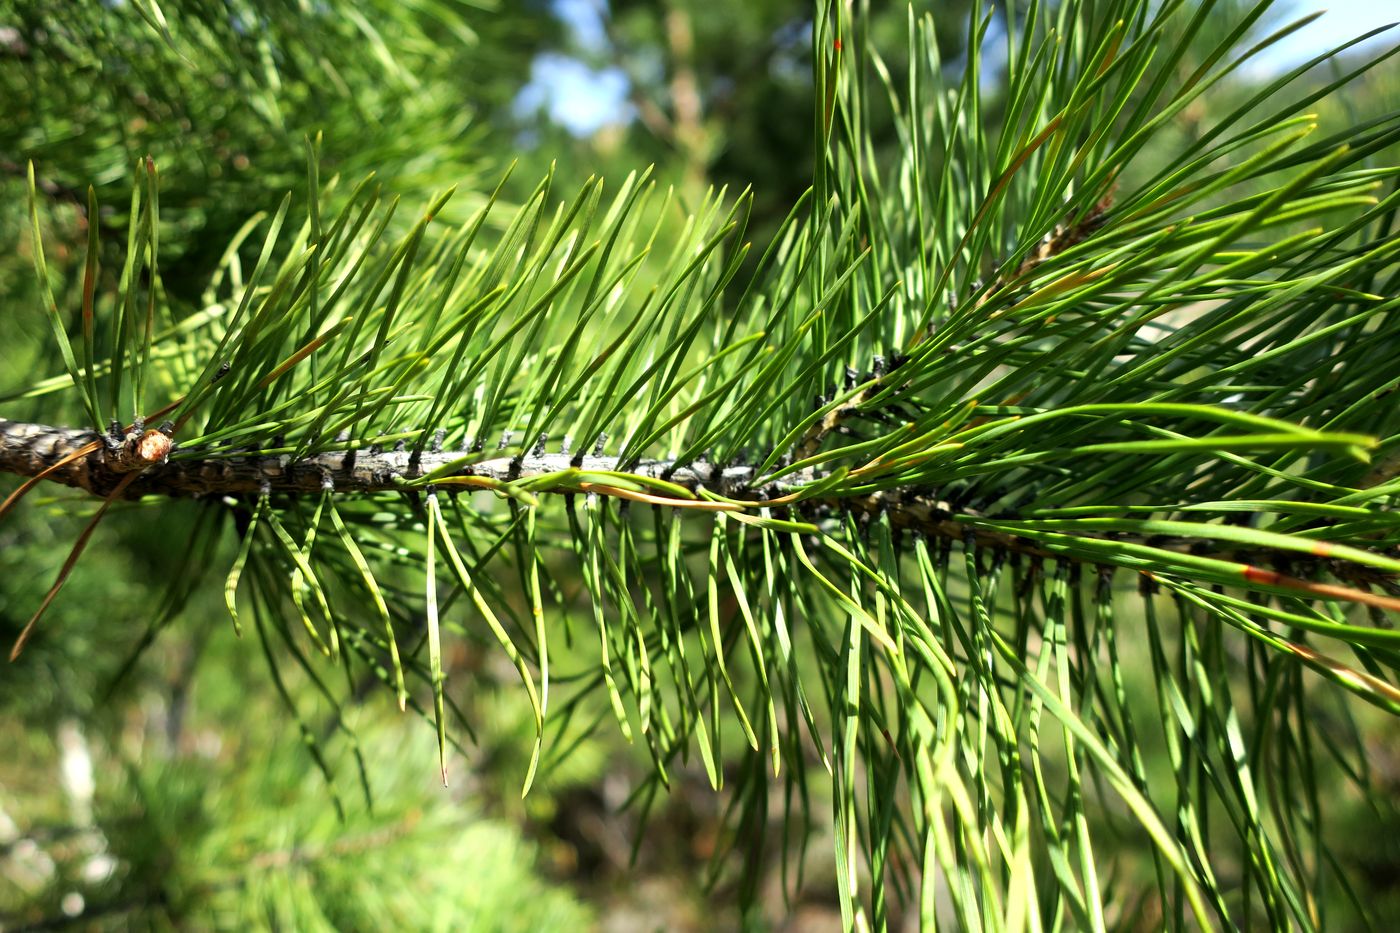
[153,447]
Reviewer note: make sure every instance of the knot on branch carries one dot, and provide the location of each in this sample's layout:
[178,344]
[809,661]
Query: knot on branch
[139,450]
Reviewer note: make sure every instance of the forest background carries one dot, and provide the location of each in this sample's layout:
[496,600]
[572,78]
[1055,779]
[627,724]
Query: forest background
[152,770]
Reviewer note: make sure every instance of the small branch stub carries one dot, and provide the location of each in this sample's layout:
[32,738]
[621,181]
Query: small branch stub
[140,450]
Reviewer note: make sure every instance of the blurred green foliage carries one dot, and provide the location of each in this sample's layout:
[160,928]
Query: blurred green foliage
[201,807]
[206,810]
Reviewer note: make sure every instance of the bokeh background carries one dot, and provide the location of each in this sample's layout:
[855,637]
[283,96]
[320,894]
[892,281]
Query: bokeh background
[150,774]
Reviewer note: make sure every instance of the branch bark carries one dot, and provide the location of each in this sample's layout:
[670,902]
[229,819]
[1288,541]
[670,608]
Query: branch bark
[30,449]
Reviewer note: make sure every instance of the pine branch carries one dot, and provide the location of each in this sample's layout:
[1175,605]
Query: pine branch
[29,449]
[32,449]
[1114,348]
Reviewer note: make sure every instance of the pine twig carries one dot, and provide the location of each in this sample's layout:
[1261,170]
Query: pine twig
[29,449]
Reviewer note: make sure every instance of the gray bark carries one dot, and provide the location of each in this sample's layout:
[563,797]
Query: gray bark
[29,449]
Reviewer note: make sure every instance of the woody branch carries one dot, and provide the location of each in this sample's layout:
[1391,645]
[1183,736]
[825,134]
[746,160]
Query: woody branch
[92,462]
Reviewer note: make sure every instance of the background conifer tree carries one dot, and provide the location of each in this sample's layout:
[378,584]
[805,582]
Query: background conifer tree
[1015,518]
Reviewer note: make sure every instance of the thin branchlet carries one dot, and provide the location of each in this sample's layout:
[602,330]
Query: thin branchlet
[31,449]
[886,371]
